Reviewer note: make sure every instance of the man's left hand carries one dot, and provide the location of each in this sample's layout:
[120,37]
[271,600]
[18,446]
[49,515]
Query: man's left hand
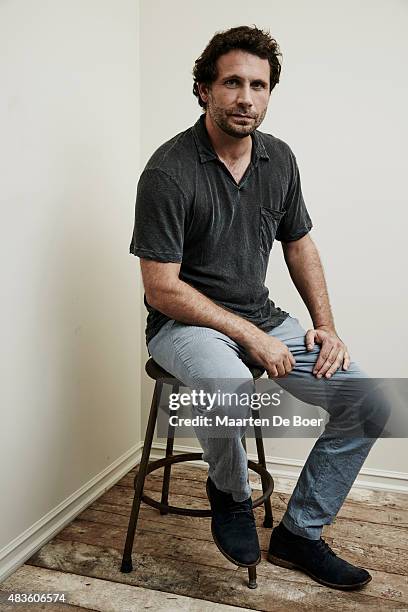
[333,353]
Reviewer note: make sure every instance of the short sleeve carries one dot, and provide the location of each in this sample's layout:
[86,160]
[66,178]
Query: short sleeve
[296,221]
[160,210]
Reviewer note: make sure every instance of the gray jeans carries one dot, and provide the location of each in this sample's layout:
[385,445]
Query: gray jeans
[192,353]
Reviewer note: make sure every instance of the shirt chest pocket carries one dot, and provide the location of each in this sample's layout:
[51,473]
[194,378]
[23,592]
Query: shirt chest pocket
[268,226]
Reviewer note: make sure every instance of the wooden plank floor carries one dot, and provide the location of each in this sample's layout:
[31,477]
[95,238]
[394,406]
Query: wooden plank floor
[178,567]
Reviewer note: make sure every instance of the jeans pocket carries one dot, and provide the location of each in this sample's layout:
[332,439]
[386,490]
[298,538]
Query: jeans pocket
[269,222]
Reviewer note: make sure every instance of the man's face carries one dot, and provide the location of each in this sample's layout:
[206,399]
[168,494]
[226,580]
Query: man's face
[237,100]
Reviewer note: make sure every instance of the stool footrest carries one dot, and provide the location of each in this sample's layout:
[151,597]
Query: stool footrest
[180,458]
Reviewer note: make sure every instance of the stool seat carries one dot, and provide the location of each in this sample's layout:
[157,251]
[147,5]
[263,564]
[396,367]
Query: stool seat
[156,372]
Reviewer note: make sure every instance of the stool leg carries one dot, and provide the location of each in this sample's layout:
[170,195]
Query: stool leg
[140,479]
[169,452]
[243,440]
[252,577]
[251,570]
[268,520]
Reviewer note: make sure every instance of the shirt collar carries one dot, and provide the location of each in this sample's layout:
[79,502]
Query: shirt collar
[206,151]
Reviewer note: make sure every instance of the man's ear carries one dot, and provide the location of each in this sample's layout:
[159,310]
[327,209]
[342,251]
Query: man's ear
[203,90]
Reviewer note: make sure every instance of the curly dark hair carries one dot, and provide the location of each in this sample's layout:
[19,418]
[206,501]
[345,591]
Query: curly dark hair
[247,38]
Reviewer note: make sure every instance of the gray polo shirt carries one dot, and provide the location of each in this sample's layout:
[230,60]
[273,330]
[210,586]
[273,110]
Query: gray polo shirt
[189,209]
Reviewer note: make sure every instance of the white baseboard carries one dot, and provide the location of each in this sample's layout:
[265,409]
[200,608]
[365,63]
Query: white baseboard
[32,539]
[284,471]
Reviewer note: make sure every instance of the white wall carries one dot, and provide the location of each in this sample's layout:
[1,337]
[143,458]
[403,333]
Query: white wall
[341,106]
[70,290]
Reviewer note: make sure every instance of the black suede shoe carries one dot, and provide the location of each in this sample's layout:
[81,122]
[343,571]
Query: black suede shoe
[233,527]
[315,558]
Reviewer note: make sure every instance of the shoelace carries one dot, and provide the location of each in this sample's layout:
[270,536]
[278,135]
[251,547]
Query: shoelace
[239,508]
[324,547]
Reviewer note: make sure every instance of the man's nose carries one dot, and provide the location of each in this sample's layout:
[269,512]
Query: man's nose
[244,95]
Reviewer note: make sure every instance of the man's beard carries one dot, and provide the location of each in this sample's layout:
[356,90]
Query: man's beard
[221,117]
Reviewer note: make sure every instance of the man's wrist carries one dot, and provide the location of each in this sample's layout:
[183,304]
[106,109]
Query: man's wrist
[325,326]
[246,334]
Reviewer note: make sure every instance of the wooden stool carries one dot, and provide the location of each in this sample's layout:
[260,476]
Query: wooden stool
[145,467]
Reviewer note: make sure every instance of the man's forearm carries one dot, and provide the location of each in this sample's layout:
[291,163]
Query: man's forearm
[306,271]
[187,305]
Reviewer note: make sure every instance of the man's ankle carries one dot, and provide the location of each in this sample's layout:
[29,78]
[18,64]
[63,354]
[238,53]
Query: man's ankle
[289,535]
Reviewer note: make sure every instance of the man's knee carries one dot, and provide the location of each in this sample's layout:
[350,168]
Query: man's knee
[359,406]
[377,413]
[375,407]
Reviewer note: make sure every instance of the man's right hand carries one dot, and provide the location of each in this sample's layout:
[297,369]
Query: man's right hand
[272,354]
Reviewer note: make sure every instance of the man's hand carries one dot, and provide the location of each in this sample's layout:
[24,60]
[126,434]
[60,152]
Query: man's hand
[272,354]
[333,353]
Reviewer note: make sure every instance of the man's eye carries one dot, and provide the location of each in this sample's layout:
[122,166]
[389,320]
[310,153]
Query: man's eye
[231,82]
[258,85]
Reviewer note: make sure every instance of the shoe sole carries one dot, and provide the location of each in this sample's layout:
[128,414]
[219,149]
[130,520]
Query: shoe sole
[226,555]
[288,564]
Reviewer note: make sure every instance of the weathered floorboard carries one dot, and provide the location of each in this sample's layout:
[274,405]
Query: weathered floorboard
[102,595]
